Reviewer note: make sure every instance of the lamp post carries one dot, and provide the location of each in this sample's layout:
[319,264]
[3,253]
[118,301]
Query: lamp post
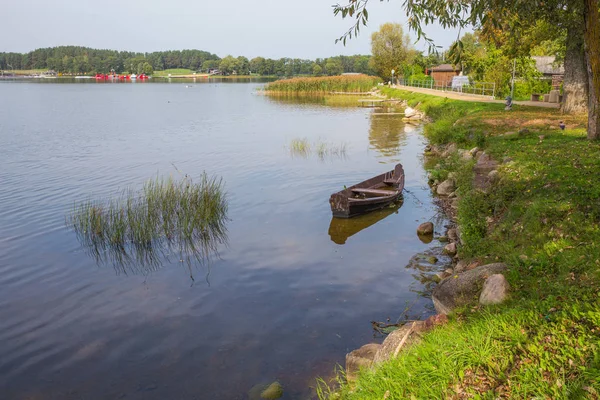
[393,71]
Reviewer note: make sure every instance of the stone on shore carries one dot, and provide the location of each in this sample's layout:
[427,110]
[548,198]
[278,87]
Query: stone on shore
[462,289]
[360,359]
[461,266]
[450,249]
[495,290]
[452,234]
[425,229]
[446,188]
[406,336]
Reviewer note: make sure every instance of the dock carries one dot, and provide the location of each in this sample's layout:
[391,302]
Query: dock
[371,102]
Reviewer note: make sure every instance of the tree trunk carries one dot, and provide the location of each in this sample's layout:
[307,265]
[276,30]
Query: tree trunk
[575,85]
[591,17]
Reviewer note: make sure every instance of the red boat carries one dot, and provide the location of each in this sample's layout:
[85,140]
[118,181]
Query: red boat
[143,76]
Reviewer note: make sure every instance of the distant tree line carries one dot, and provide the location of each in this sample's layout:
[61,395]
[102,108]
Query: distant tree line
[84,60]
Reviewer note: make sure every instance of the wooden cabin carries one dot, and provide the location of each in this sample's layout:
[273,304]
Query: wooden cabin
[442,74]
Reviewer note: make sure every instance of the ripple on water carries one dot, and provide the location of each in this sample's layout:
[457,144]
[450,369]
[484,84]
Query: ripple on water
[283,301]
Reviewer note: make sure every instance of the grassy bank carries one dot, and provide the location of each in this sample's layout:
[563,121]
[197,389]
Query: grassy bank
[541,219]
[325,84]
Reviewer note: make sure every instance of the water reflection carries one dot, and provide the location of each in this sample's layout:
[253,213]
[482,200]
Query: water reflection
[340,229]
[387,133]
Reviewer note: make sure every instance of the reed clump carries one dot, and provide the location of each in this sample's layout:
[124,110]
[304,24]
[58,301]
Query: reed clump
[303,148]
[166,216]
[326,84]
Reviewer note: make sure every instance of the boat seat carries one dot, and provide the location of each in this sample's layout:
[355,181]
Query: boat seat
[375,191]
[390,181]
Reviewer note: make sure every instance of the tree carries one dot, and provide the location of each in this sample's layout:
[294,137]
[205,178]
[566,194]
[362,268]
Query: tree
[333,66]
[210,64]
[582,14]
[228,65]
[391,50]
[317,70]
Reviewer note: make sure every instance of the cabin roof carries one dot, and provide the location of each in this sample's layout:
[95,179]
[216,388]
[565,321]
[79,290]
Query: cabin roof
[445,68]
[546,65]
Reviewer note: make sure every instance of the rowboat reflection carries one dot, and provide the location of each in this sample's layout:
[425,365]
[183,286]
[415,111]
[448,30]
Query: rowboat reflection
[340,229]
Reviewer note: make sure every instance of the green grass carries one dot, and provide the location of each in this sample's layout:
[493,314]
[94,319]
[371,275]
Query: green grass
[301,147]
[542,219]
[325,84]
[167,216]
[173,71]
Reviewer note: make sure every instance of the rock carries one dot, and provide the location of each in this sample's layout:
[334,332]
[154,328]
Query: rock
[506,160]
[478,154]
[473,151]
[484,158]
[407,335]
[266,392]
[428,148]
[454,204]
[272,392]
[451,176]
[400,336]
[473,265]
[443,239]
[410,112]
[450,249]
[449,271]
[452,195]
[461,266]
[463,289]
[523,131]
[440,276]
[450,149]
[466,156]
[509,134]
[432,259]
[494,176]
[495,290]
[360,358]
[425,228]
[446,187]
[425,238]
[452,235]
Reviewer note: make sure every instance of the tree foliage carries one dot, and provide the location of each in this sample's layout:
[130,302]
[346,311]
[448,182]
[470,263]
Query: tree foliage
[83,60]
[391,50]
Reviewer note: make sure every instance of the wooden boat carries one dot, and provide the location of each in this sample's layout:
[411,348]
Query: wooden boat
[372,194]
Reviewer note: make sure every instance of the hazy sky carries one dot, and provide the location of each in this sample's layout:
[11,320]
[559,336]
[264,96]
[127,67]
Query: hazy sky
[268,28]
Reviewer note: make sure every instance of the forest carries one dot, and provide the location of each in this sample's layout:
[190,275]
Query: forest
[84,60]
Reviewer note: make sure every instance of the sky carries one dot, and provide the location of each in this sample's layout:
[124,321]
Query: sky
[269,28]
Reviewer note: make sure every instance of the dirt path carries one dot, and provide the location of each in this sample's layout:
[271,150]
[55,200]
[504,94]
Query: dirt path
[467,97]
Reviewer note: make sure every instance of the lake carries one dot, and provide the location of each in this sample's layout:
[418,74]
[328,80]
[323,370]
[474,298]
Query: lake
[288,296]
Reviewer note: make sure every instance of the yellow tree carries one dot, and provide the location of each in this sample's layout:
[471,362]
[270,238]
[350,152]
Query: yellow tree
[391,50]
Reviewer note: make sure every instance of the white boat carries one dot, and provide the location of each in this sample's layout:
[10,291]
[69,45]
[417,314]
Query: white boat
[133,76]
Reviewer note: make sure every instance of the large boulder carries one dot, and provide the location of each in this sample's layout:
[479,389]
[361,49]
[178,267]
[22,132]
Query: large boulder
[495,290]
[360,359]
[446,188]
[462,289]
[425,229]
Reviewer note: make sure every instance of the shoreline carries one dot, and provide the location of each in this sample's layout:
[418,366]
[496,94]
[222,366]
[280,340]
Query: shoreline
[485,164]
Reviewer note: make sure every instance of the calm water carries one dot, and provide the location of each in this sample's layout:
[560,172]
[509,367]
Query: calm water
[288,297]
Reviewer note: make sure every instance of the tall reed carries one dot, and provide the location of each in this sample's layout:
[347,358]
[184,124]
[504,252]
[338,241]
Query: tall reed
[167,216]
[303,148]
[326,84]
